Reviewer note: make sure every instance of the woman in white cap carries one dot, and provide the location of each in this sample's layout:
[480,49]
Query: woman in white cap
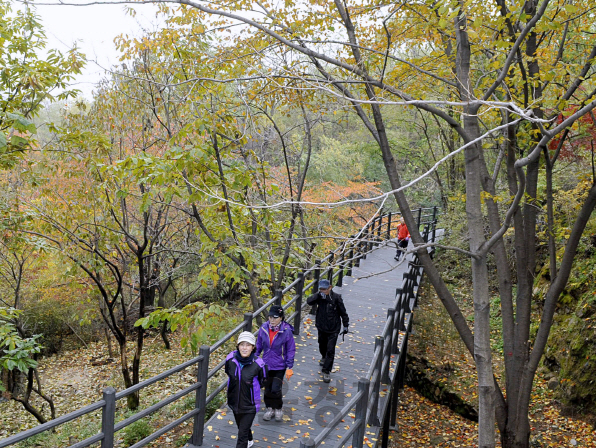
[246,375]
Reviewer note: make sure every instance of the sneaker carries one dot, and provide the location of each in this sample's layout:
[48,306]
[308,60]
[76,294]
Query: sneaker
[268,414]
[326,377]
[250,443]
[321,361]
[279,414]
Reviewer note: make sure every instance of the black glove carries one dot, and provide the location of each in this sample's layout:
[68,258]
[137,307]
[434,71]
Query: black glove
[343,334]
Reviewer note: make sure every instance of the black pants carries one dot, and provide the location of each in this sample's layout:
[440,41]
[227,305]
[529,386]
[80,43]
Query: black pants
[327,343]
[244,423]
[273,394]
[401,244]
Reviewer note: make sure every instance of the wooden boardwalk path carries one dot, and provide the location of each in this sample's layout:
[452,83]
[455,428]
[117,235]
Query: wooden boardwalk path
[309,403]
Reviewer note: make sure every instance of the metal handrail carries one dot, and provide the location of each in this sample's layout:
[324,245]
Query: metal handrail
[156,378]
[52,424]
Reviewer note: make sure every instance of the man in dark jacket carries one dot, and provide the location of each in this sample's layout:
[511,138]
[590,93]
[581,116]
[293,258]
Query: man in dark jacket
[330,314]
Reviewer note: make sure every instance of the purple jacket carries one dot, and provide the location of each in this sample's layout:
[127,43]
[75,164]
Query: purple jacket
[280,354]
[244,384]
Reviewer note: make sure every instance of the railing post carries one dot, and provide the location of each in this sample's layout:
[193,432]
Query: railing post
[315,286]
[371,235]
[248,322]
[358,252]
[425,233]
[389,347]
[365,235]
[278,296]
[201,397]
[350,260]
[399,292]
[379,227]
[340,276]
[434,227]
[330,273]
[374,412]
[403,294]
[395,393]
[300,292]
[402,371]
[389,226]
[307,442]
[419,218]
[361,406]
[407,294]
[108,416]
[390,418]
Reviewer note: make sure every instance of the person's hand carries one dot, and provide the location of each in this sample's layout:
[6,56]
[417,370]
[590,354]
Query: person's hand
[289,373]
[346,329]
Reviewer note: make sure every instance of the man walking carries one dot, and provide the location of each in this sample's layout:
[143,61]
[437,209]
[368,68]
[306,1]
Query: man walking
[330,313]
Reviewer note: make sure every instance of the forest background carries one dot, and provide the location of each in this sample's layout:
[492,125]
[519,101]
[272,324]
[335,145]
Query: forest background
[218,160]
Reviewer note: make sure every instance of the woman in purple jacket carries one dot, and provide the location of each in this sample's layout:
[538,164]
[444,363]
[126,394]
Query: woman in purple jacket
[246,374]
[276,341]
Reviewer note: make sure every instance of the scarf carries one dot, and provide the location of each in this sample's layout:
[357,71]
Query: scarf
[276,327]
[244,361]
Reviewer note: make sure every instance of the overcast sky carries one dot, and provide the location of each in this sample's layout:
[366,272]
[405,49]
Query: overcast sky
[93,29]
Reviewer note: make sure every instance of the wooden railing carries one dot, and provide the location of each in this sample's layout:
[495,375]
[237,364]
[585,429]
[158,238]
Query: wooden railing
[334,266]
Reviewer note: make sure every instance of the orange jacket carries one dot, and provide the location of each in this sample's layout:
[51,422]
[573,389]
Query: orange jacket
[402,232]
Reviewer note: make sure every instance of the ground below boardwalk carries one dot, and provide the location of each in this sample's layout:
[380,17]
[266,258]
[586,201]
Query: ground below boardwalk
[427,424]
[424,423]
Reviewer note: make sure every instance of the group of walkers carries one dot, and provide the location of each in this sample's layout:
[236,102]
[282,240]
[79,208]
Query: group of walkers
[248,373]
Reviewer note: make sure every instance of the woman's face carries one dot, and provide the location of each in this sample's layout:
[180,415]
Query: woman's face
[274,321]
[245,348]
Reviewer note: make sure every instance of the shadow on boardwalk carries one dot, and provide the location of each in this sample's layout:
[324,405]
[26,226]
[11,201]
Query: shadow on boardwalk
[309,403]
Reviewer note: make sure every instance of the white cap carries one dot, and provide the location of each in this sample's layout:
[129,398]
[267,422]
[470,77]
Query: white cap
[246,336]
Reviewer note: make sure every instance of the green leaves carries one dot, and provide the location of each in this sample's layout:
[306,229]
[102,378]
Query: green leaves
[26,79]
[20,123]
[16,352]
[200,323]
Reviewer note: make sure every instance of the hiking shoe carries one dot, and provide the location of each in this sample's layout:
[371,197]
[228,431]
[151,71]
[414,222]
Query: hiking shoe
[326,377]
[321,361]
[250,443]
[268,414]
[279,414]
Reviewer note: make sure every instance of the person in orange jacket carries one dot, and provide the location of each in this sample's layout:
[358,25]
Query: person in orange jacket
[403,237]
